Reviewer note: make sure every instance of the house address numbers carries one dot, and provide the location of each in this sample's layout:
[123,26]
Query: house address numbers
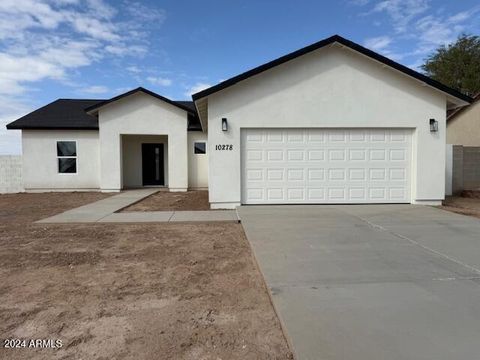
[225,147]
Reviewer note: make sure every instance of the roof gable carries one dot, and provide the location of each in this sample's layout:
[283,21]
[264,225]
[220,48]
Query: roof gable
[318,45]
[179,104]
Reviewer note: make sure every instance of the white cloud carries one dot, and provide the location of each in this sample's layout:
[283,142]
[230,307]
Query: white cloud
[95,28]
[39,13]
[42,39]
[409,21]
[71,55]
[159,81]
[100,7]
[122,49]
[95,89]
[381,44]
[199,86]
[52,39]
[378,43]
[14,71]
[143,13]
[402,12]
[134,69]
[460,17]
[434,31]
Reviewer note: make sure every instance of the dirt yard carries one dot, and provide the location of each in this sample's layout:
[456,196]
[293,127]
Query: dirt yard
[465,205]
[129,291]
[168,201]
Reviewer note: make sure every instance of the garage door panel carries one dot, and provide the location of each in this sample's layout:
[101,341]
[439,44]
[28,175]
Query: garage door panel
[316,155]
[357,194]
[326,166]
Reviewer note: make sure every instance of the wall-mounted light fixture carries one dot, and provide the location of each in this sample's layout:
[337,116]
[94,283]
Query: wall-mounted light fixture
[433,125]
[224,124]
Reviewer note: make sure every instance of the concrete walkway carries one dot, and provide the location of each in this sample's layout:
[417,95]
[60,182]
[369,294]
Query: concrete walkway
[372,282]
[171,216]
[104,211]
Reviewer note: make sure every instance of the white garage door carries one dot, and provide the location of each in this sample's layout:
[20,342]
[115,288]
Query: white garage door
[321,166]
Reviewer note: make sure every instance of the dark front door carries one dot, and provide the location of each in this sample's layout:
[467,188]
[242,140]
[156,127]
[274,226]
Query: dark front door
[152,164]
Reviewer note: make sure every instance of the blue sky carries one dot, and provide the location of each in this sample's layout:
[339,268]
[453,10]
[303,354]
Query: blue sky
[99,48]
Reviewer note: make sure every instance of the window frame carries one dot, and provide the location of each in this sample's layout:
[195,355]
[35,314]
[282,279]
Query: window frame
[58,157]
[194,148]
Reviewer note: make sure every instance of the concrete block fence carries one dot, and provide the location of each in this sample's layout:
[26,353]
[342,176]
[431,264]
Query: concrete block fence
[11,174]
[463,169]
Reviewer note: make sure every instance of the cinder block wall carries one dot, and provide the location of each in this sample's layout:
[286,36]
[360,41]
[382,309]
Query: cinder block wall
[457,170]
[465,168]
[471,167]
[11,174]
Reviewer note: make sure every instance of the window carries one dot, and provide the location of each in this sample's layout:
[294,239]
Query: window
[199,148]
[67,157]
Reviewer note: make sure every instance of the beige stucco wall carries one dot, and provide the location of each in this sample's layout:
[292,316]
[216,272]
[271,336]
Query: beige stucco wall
[328,88]
[142,114]
[464,129]
[132,158]
[40,167]
[197,163]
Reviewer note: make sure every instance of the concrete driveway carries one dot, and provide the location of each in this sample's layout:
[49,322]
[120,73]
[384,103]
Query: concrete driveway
[370,282]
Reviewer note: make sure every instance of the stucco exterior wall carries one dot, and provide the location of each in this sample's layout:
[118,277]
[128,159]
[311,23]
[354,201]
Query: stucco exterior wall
[464,129]
[40,167]
[132,158]
[328,88]
[141,114]
[197,163]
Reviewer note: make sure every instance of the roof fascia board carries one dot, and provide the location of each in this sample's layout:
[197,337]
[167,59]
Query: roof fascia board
[95,108]
[19,127]
[332,41]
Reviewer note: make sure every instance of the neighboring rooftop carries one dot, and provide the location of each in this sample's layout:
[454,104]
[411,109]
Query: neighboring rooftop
[458,111]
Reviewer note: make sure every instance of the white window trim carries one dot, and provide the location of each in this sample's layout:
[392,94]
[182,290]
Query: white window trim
[66,157]
[201,141]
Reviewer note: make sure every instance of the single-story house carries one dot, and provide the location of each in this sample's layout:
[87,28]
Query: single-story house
[332,122]
[463,125]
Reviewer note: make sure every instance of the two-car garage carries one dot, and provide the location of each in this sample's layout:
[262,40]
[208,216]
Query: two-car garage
[323,166]
[331,123]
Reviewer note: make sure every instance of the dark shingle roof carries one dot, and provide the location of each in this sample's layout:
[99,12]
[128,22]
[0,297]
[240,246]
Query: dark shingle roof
[347,43]
[187,104]
[193,120]
[70,114]
[60,114]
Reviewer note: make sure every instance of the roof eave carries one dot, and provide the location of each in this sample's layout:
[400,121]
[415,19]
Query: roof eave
[461,109]
[200,111]
[95,108]
[322,43]
[20,127]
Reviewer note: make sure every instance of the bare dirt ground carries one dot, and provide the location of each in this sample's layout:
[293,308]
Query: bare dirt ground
[465,205]
[164,291]
[169,201]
